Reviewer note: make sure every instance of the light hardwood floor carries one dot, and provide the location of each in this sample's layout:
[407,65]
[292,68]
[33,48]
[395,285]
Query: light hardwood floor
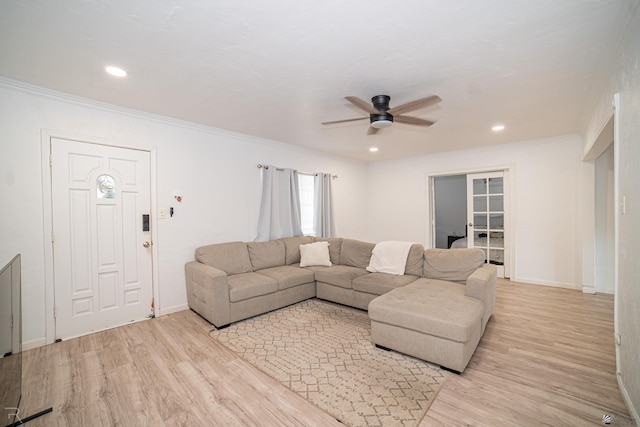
[547,358]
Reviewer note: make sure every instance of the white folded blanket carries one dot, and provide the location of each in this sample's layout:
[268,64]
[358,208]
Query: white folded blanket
[389,257]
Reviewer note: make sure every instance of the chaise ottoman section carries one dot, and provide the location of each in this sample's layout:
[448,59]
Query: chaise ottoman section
[429,319]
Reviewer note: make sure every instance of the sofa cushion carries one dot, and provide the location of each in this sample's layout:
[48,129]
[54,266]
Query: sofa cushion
[287,276]
[380,283]
[266,254]
[452,264]
[340,275]
[435,307]
[315,254]
[248,285]
[232,257]
[356,253]
[415,260]
[335,245]
[292,248]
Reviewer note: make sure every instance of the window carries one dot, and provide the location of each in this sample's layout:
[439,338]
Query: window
[306,189]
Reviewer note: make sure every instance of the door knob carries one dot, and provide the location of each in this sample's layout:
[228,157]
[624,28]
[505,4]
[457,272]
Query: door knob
[470,225]
[146,244]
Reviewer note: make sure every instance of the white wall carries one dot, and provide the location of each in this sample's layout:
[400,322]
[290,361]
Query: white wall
[214,171]
[625,80]
[546,189]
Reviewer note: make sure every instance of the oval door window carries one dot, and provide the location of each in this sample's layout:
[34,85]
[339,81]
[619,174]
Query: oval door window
[106,187]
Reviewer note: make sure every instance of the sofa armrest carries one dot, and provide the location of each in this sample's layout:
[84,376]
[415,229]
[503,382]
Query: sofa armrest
[481,284]
[208,292]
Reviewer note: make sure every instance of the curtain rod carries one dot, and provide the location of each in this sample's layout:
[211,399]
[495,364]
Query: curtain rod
[297,171]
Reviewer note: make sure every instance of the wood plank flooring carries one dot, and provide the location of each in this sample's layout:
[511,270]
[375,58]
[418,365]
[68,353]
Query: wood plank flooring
[547,358]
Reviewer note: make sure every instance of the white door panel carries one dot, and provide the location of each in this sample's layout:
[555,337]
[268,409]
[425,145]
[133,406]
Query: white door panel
[486,217]
[102,271]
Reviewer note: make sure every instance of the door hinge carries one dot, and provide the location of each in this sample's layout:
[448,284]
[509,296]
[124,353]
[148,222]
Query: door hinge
[55,311]
[50,160]
[53,237]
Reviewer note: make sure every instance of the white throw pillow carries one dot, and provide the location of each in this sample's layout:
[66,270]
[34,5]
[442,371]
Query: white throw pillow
[315,254]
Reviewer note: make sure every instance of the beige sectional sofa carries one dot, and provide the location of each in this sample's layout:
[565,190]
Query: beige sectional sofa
[443,300]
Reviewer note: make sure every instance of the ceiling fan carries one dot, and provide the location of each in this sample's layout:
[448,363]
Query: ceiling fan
[381,116]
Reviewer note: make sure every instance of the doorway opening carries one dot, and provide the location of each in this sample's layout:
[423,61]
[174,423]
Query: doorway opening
[471,210]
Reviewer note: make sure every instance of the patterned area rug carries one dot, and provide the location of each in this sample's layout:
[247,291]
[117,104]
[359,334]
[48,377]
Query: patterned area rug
[323,352]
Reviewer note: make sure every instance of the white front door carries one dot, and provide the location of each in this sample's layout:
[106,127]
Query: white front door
[486,217]
[101,236]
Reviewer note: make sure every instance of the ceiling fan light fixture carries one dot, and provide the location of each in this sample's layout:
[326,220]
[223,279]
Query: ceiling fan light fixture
[379,124]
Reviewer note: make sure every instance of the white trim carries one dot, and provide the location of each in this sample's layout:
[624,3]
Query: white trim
[169,310]
[157,118]
[553,284]
[47,215]
[603,140]
[155,267]
[45,141]
[117,325]
[616,222]
[627,400]
[34,343]
[469,152]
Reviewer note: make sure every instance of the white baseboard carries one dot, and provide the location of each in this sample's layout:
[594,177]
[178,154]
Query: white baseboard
[34,343]
[588,290]
[169,310]
[627,400]
[547,283]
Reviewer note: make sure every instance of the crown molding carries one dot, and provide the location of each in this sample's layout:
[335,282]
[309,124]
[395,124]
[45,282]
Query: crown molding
[157,118]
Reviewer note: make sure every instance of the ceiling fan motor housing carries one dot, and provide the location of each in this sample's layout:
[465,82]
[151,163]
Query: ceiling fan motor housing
[384,119]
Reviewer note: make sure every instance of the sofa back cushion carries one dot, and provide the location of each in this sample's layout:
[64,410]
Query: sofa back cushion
[335,246]
[415,260]
[266,254]
[356,253]
[292,248]
[232,257]
[452,264]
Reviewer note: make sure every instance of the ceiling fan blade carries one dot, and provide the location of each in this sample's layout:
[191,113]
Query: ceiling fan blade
[412,121]
[344,121]
[360,103]
[372,130]
[414,105]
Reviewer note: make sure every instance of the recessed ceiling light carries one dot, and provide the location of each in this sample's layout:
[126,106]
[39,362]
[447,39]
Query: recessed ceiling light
[373,149]
[116,71]
[497,128]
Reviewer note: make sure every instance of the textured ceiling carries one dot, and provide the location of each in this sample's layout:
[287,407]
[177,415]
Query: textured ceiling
[276,69]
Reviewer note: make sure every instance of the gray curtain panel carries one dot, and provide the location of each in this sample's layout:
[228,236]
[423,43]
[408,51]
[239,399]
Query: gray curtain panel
[279,205]
[323,220]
